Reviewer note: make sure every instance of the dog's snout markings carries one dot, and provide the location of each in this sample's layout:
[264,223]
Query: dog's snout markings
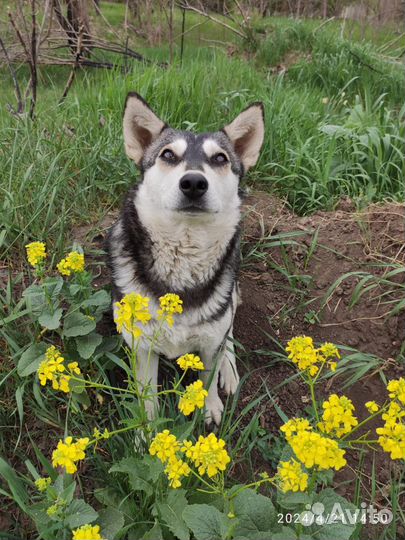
[193,185]
[160,245]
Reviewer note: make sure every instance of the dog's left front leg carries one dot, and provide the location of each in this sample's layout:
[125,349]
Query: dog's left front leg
[212,359]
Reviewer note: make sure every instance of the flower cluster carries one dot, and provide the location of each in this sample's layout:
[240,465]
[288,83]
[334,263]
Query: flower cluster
[42,484]
[337,418]
[73,263]
[53,369]
[193,397]
[87,532]
[291,476]
[68,453]
[311,448]
[130,311]
[392,434]
[190,361]
[165,446]
[36,253]
[302,352]
[396,389]
[208,454]
[175,470]
[372,407]
[170,304]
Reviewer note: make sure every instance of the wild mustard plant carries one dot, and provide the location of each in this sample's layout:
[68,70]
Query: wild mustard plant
[169,466]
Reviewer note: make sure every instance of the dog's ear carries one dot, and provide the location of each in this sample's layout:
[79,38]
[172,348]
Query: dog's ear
[246,133]
[141,126]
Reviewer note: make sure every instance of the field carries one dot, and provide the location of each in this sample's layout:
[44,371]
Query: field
[322,256]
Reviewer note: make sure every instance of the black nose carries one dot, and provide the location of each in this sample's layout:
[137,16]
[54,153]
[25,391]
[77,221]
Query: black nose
[193,185]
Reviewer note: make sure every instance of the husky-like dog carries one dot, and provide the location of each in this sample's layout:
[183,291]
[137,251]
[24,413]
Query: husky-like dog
[179,232]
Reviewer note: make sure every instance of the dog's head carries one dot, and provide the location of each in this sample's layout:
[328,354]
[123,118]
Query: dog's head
[194,174]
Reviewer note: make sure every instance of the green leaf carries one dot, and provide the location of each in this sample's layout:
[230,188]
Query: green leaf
[207,523]
[49,319]
[291,500]
[86,345]
[35,299]
[255,512]
[111,521]
[100,299]
[79,513]
[30,359]
[78,324]
[15,485]
[138,474]
[170,512]
[154,534]
[286,533]
[332,505]
[156,467]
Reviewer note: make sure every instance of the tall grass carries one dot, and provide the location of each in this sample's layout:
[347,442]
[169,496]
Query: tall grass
[69,165]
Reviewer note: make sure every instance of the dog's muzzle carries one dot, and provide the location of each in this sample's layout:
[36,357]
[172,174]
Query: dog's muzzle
[193,185]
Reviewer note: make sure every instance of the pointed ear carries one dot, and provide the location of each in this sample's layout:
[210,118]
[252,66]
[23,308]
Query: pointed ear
[246,133]
[141,126]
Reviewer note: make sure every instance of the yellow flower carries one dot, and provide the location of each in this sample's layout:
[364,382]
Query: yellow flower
[291,476]
[337,417]
[392,434]
[52,369]
[53,509]
[74,262]
[396,389]
[169,305]
[175,470]
[42,484]
[332,365]
[67,453]
[313,449]
[36,253]
[329,350]
[164,446]
[295,425]
[87,532]
[98,435]
[132,309]
[190,361]
[208,454]
[302,352]
[73,367]
[325,100]
[193,397]
[372,407]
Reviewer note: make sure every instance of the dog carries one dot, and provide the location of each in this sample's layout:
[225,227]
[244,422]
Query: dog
[179,232]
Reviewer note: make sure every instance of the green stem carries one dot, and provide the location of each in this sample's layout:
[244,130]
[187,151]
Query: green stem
[312,389]
[380,411]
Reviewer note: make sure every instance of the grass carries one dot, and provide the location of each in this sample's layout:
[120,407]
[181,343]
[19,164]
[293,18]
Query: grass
[72,157]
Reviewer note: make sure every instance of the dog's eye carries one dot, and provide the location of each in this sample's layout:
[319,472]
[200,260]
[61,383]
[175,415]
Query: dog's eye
[219,159]
[168,155]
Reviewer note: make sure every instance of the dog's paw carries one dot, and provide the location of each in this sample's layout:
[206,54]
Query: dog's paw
[228,376]
[213,409]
